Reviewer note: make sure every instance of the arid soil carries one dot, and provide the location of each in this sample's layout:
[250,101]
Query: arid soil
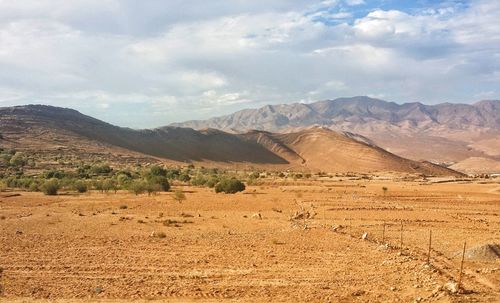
[245,247]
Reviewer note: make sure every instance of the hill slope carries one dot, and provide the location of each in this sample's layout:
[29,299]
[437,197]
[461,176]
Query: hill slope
[440,133]
[173,143]
[38,128]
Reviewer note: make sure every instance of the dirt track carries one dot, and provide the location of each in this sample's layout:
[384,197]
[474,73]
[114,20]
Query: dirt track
[73,248]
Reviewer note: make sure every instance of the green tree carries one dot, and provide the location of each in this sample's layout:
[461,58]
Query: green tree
[229,186]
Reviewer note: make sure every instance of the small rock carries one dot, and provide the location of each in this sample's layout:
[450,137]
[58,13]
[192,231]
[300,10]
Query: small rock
[19,232]
[451,287]
[257,216]
[364,236]
[383,247]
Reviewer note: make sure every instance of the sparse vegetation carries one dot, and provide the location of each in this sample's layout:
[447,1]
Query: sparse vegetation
[50,187]
[179,196]
[80,186]
[229,186]
[138,187]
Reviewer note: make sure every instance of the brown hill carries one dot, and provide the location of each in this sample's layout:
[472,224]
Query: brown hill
[478,165]
[437,133]
[323,149]
[25,123]
[39,128]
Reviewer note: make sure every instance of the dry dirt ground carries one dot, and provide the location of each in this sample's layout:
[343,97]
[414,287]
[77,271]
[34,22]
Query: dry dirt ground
[245,248]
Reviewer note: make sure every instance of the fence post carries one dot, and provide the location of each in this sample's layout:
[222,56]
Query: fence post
[461,268]
[430,244]
[401,237]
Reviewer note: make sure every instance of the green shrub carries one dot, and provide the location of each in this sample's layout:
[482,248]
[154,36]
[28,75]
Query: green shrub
[138,187]
[179,196]
[173,173]
[153,188]
[211,182]
[105,185]
[19,159]
[229,186]
[156,170]
[123,179]
[199,180]
[184,177]
[50,187]
[34,187]
[54,174]
[254,175]
[101,169]
[159,183]
[108,185]
[80,186]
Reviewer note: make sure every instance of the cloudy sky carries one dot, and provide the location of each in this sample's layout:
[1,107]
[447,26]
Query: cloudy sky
[150,63]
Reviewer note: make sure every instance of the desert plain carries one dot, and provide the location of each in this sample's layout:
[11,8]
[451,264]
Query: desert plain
[323,240]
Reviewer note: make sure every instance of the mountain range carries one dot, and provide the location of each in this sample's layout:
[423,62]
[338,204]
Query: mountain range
[46,130]
[447,133]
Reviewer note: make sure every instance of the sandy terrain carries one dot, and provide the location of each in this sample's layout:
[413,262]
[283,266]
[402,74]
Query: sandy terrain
[81,248]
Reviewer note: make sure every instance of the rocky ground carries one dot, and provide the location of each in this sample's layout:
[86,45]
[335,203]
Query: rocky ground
[295,241]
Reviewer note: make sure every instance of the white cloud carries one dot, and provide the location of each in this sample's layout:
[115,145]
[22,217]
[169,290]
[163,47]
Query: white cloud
[354,2]
[215,57]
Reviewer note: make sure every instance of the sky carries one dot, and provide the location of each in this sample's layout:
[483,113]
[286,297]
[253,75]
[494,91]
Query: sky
[144,64]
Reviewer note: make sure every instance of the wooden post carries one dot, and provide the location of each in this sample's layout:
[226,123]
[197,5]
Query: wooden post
[401,237]
[461,268]
[429,251]
[383,233]
[1,286]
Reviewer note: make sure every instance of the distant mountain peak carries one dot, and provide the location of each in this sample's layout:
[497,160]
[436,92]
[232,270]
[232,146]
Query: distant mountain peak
[354,110]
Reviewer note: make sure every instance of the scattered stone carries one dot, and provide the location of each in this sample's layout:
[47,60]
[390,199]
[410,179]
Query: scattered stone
[257,216]
[383,247]
[451,287]
[358,293]
[364,236]
[303,214]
